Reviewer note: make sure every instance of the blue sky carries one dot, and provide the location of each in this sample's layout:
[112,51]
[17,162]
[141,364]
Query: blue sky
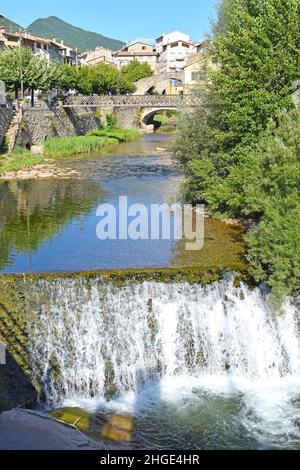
[120,19]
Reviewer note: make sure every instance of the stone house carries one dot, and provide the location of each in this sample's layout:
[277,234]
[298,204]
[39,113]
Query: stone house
[97,56]
[36,44]
[195,72]
[59,52]
[140,51]
[52,50]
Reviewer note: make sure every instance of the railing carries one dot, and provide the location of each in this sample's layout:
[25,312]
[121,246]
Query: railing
[159,101]
[41,104]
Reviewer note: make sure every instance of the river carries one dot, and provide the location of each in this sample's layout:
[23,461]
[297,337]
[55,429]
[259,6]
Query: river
[49,225]
[184,366]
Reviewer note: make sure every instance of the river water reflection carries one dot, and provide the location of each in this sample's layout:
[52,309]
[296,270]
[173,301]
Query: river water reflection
[50,225]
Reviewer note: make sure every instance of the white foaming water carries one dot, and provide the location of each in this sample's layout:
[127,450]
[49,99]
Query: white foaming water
[92,339]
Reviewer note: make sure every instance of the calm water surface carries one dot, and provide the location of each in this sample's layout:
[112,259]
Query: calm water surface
[50,225]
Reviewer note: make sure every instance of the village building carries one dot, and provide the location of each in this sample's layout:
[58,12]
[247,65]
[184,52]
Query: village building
[36,44]
[97,56]
[173,49]
[52,50]
[59,52]
[195,72]
[140,51]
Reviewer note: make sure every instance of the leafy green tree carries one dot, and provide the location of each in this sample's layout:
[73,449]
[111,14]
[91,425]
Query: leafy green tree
[125,86]
[136,71]
[225,10]
[240,149]
[68,77]
[105,79]
[274,246]
[99,80]
[258,54]
[36,71]
[85,79]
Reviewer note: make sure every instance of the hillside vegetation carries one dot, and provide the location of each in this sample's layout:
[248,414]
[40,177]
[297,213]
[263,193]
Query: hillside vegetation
[53,27]
[9,25]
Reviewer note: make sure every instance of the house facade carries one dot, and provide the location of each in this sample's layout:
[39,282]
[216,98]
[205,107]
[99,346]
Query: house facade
[97,56]
[195,72]
[140,51]
[59,52]
[173,49]
[52,50]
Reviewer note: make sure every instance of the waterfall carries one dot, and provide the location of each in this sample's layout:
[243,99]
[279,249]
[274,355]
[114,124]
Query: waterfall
[93,340]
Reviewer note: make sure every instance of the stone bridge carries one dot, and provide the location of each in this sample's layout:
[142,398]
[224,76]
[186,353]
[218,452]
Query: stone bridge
[133,110]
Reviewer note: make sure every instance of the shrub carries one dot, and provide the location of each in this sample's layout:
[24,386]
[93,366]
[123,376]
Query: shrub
[122,135]
[110,121]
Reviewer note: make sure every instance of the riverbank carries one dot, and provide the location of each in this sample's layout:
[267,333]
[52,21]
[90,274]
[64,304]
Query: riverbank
[46,169]
[25,164]
[89,143]
[18,160]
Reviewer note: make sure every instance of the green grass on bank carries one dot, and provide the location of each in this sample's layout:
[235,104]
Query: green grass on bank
[19,159]
[89,143]
[162,120]
[122,135]
[66,146]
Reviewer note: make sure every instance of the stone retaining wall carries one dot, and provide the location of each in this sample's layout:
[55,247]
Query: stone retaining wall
[41,123]
[16,388]
[6,115]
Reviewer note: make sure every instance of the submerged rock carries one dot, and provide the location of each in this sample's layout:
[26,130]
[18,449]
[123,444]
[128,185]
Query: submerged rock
[31,430]
[95,425]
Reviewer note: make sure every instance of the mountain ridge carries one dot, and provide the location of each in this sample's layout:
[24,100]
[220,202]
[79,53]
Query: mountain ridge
[73,36]
[10,25]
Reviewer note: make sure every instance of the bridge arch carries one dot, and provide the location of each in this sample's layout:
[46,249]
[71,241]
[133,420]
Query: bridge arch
[148,114]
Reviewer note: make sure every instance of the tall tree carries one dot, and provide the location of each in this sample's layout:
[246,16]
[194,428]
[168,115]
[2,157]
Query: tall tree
[19,66]
[257,45]
[241,149]
[136,71]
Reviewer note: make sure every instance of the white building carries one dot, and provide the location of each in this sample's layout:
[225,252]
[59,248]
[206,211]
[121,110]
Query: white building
[173,49]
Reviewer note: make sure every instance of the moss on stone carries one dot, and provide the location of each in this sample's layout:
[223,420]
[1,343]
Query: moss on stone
[192,275]
[16,387]
[91,424]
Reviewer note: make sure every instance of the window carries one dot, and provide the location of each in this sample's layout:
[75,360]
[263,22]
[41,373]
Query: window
[143,48]
[197,76]
[39,45]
